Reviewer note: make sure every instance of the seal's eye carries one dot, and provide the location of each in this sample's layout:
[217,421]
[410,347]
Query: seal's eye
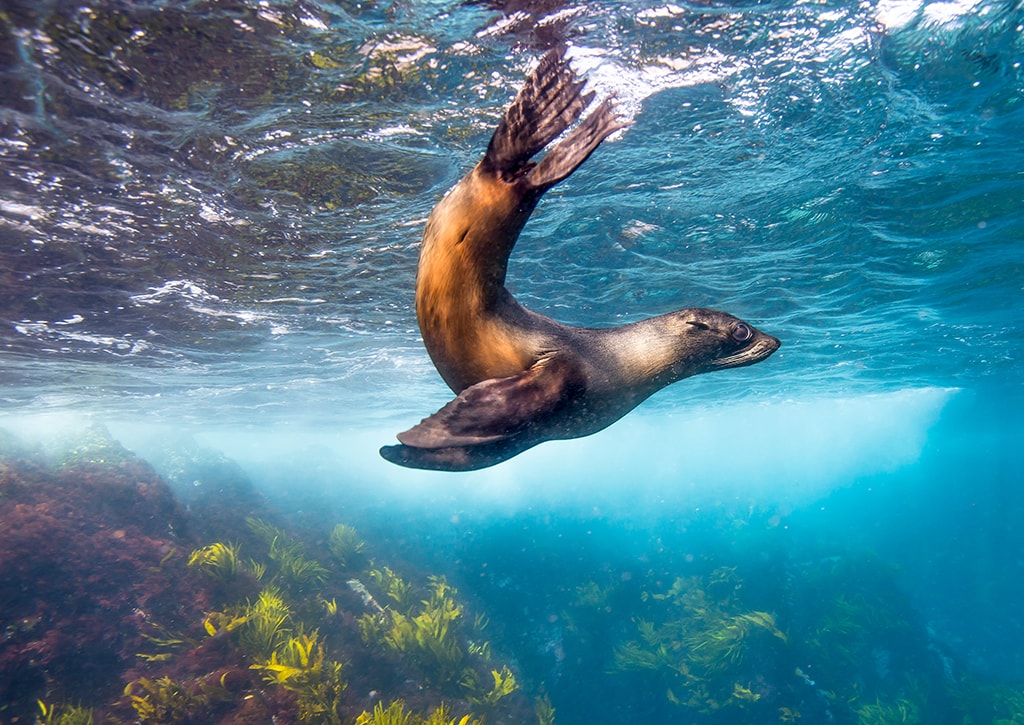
[742,332]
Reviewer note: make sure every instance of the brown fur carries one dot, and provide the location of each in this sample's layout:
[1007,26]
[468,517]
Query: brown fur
[521,378]
[460,291]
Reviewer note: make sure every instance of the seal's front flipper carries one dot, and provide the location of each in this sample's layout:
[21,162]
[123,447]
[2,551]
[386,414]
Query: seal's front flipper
[458,458]
[498,409]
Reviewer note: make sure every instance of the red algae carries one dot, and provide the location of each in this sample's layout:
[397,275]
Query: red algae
[102,609]
[90,555]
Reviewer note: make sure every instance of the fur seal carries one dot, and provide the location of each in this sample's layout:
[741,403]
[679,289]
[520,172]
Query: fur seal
[521,378]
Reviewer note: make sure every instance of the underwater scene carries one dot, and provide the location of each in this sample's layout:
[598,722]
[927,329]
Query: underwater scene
[211,216]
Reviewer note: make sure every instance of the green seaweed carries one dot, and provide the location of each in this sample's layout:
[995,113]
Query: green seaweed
[64,714]
[262,626]
[161,700]
[789,714]
[164,700]
[298,571]
[504,685]
[428,640]
[266,624]
[724,640]
[699,640]
[591,595]
[345,545]
[442,716]
[985,703]
[264,531]
[434,639]
[857,612]
[167,640]
[393,714]
[544,710]
[889,713]
[299,665]
[258,569]
[397,714]
[219,560]
[393,587]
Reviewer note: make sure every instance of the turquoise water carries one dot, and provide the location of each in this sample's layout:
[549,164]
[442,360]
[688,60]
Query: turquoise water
[209,223]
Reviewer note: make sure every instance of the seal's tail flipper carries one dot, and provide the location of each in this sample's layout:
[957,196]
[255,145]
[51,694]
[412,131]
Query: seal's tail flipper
[572,151]
[550,102]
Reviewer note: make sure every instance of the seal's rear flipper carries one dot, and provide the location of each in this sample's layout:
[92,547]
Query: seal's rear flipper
[550,102]
[567,156]
[497,409]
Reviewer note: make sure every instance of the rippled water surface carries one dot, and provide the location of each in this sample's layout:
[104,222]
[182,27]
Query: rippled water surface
[225,198]
[210,216]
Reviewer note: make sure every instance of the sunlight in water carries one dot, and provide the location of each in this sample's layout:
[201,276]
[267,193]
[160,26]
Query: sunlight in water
[789,452]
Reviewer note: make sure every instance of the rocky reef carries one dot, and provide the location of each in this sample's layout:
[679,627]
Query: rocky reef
[126,597]
[118,607]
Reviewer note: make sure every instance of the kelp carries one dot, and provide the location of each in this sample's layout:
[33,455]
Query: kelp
[397,714]
[293,565]
[345,545]
[164,701]
[299,665]
[219,560]
[438,641]
[401,594]
[698,641]
[430,639]
[64,715]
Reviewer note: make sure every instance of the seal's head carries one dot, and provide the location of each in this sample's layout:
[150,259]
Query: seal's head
[723,341]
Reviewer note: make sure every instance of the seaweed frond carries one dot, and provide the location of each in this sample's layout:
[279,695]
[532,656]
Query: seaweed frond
[429,639]
[545,711]
[394,588]
[504,685]
[879,713]
[396,714]
[298,570]
[442,716]
[266,624]
[166,701]
[345,545]
[301,666]
[167,641]
[393,714]
[63,714]
[219,560]
[263,530]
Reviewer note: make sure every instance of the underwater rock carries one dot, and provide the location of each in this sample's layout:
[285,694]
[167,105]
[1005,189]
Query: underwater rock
[90,553]
[114,609]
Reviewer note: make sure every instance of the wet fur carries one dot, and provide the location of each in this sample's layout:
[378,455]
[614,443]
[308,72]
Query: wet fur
[522,378]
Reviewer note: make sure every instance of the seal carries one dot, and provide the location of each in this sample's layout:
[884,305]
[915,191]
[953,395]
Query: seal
[522,378]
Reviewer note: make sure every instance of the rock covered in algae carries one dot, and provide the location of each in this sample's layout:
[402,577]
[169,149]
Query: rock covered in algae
[115,608]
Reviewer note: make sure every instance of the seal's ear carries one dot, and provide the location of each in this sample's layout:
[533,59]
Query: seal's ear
[499,408]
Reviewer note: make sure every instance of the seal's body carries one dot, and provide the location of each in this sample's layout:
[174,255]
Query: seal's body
[522,378]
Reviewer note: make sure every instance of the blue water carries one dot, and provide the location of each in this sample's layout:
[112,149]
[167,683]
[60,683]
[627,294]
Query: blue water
[209,224]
